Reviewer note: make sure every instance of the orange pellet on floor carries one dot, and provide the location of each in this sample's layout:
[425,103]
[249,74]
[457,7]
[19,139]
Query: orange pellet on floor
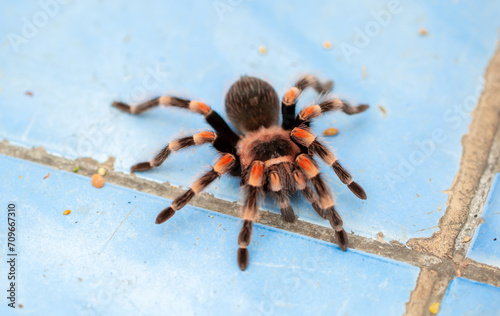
[67,212]
[330,131]
[97,180]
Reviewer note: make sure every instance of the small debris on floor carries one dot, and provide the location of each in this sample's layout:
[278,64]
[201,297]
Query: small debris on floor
[262,49]
[458,273]
[434,308]
[380,237]
[330,131]
[29,93]
[382,109]
[327,44]
[97,181]
[67,212]
[20,177]
[364,72]
[76,168]
[48,175]
[101,171]
[466,239]
[423,32]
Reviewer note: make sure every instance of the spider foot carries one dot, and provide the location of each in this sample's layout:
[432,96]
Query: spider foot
[142,166]
[121,106]
[341,237]
[243,258]
[357,190]
[165,215]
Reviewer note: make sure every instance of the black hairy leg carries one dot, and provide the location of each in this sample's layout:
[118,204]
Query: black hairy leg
[313,111]
[254,179]
[212,117]
[331,213]
[178,144]
[281,197]
[223,166]
[305,138]
[290,98]
[309,169]
[137,109]
[302,186]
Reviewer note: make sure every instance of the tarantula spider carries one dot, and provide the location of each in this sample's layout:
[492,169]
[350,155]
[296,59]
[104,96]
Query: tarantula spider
[269,158]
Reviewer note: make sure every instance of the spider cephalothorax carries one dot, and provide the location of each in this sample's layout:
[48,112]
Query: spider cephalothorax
[269,158]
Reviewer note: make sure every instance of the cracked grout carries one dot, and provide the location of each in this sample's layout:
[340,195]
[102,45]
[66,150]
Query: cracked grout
[470,189]
[478,202]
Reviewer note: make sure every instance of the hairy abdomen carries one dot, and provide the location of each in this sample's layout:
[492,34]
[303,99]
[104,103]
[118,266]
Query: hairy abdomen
[252,103]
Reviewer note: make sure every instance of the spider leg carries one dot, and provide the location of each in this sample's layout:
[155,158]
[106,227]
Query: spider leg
[254,185]
[178,144]
[137,109]
[308,140]
[289,100]
[313,111]
[281,197]
[309,169]
[329,213]
[301,185]
[212,117]
[223,165]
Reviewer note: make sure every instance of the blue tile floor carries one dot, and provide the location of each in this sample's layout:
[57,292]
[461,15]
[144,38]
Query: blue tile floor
[144,49]
[485,245]
[465,297]
[108,257]
[420,66]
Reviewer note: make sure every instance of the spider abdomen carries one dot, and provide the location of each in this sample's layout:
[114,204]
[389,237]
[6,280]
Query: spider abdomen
[252,103]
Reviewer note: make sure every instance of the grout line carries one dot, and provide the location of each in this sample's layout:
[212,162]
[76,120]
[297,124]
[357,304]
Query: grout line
[478,202]
[420,296]
[438,290]
[476,148]
[391,250]
[467,198]
[480,272]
